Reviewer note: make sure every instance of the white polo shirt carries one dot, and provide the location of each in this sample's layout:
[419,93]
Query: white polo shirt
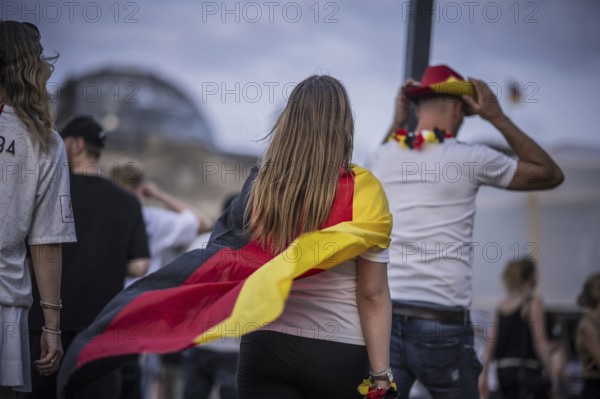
[432,193]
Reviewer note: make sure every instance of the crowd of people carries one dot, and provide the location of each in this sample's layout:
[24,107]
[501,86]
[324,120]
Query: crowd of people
[393,309]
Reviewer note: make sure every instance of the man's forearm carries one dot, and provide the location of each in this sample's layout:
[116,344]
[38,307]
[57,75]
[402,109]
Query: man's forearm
[525,148]
[171,202]
[536,170]
[179,206]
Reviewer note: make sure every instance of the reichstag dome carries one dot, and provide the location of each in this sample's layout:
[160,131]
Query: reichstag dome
[151,122]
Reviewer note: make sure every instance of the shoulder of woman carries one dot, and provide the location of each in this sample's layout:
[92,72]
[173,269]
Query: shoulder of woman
[366,177]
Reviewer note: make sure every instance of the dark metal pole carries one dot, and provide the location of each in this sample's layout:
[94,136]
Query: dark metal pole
[419,14]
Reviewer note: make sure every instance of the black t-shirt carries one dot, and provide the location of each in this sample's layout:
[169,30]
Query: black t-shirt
[110,232]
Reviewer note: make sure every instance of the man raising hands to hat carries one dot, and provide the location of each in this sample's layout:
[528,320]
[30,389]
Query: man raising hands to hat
[431,181]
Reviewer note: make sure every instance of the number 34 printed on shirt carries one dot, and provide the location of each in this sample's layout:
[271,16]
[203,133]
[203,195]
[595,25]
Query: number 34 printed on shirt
[11,146]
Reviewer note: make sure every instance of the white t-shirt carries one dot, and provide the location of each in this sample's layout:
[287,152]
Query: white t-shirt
[35,204]
[432,193]
[324,306]
[166,230]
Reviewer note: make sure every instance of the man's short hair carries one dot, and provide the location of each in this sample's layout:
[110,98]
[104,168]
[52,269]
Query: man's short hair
[432,99]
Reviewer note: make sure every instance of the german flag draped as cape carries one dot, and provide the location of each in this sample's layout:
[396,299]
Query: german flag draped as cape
[231,288]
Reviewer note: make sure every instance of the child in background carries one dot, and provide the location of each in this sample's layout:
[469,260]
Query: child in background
[519,343]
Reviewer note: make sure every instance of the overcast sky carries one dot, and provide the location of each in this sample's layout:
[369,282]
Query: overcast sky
[238,60]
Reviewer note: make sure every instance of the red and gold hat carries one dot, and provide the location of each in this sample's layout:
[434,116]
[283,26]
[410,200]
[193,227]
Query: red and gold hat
[441,79]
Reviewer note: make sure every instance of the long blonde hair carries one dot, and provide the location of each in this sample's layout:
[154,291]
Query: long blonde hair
[297,180]
[24,72]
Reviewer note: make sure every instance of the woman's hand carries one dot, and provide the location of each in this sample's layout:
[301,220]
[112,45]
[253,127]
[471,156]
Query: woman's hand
[52,353]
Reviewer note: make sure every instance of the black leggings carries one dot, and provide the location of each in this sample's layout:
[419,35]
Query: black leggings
[275,365]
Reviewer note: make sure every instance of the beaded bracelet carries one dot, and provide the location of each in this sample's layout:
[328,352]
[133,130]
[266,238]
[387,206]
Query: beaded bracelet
[51,306]
[51,330]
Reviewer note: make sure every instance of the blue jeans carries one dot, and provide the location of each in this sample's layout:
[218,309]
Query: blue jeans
[440,355]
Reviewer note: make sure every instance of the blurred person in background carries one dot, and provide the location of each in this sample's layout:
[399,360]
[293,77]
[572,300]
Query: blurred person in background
[35,210]
[172,226]
[588,337]
[213,364]
[111,244]
[519,343]
[432,180]
[169,229]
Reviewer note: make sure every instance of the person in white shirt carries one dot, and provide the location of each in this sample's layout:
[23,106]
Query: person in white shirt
[35,207]
[431,181]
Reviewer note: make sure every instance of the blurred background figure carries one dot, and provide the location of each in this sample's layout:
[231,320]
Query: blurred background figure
[35,209]
[210,367]
[519,343]
[111,244]
[588,337]
[169,229]
[171,226]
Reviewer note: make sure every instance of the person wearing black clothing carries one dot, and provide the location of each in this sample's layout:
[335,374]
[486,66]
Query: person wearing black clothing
[111,244]
[519,343]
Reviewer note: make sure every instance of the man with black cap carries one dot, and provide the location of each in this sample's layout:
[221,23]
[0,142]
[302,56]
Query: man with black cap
[431,181]
[111,244]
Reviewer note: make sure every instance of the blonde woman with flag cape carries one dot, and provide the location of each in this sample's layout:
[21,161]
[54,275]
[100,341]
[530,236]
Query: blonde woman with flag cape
[296,267]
